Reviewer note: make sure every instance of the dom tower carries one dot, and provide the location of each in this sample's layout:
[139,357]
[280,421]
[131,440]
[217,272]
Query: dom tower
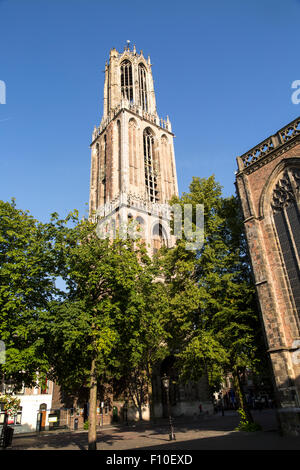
[133,173]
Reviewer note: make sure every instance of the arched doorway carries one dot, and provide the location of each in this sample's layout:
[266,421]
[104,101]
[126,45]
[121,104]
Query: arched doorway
[41,417]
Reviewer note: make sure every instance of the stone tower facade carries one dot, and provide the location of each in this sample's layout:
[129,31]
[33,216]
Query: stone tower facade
[133,178]
[268,184]
[133,172]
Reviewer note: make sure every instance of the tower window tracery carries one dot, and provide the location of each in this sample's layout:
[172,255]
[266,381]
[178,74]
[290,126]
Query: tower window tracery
[119,156]
[126,80]
[150,171]
[104,170]
[143,99]
[285,206]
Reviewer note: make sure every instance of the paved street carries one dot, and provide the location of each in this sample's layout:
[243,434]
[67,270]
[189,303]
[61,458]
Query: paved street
[210,433]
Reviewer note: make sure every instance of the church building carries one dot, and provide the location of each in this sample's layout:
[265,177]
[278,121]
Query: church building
[268,184]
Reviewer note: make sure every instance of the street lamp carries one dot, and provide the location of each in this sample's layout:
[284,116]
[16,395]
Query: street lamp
[166,383]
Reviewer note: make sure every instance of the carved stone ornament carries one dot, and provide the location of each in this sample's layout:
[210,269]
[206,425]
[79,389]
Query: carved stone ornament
[286,190]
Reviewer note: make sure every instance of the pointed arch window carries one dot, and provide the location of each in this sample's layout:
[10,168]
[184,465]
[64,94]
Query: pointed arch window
[285,206]
[143,98]
[132,150]
[119,156]
[104,170]
[158,237]
[150,172]
[126,80]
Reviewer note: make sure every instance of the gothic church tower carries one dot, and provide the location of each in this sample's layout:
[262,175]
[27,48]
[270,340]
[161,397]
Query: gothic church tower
[133,173]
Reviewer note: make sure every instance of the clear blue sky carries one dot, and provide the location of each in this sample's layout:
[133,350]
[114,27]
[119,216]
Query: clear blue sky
[222,71]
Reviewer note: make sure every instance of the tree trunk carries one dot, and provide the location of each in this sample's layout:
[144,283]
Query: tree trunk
[241,396]
[140,412]
[92,436]
[150,396]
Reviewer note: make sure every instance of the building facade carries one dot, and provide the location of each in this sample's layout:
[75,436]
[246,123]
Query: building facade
[268,184]
[34,410]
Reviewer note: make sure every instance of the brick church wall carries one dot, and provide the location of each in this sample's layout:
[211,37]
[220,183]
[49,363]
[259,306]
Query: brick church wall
[259,171]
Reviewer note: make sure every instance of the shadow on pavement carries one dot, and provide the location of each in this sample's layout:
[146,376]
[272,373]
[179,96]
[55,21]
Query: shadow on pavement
[60,441]
[200,434]
[233,441]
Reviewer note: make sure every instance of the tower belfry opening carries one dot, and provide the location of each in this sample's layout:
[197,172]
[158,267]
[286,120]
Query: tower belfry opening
[126,80]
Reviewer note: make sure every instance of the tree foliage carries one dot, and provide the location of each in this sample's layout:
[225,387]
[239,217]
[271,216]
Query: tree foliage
[27,284]
[213,313]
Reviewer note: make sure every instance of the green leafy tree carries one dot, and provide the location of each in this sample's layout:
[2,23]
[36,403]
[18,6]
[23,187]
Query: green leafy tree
[143,336]
[85,329]
[27,284]
[213,312]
